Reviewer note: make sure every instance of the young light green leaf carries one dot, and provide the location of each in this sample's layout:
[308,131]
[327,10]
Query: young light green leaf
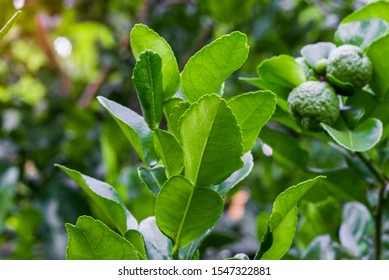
[9,24]
[184,212]
[153,178]
[91,239]
[174,117]
[106,198]
[136,239]
[206,71]
[361,33]
[143,38]
[379,9]
[313,53]
[377,52]
[134,127]
[170,152]
[156,242]
[211,140]
[362,138]
[280,74]
[252,110]
[147,78]
[283,221]
[237,176]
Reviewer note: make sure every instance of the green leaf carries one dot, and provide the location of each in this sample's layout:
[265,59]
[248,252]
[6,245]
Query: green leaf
[173,119]
[147,78]
[379,9]
[280,74]
[191,251]
[143,38]
[153,178]
[106,198]
[206,71]
[8,181]
[9,24]
[136,239]
[184,212]
[211,141]
[170,152]
[134,127]
[156,242]
[321,248]
[90,239]
[237,176]
[283,220]
[377,53]
[356,230]
[361,33]
[316,52]
[362,138]
[252,110]
[240,256]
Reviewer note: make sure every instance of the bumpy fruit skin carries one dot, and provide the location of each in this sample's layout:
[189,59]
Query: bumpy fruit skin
[313,102]
[349,64]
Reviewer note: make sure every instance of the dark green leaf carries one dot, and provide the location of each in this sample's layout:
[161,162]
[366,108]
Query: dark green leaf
[169,151]
[377,53]
[106,199]
[184,212]
[147,78]
[356,231]
[90,239]
[206,71]
[211,140]
[153,178]
[252,110]
[362,138]
[135,128]
[361,33]
[143,38]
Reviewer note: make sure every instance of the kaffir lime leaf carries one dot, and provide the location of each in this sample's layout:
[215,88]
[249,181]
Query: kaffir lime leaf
[313,102]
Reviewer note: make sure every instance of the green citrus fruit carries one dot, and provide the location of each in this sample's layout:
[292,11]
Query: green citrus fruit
[313,102]
[348,64]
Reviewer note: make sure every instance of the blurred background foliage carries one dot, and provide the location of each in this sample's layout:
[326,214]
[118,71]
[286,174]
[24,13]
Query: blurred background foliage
[61,54]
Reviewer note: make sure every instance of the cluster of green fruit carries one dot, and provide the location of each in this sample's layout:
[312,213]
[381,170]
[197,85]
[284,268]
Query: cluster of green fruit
[346,70]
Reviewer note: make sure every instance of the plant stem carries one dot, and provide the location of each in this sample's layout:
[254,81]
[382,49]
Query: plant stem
[378,215]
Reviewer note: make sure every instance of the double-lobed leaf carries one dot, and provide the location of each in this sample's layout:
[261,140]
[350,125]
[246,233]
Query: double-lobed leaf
[105,198]
[283,221]
[184,212]
[147,78]
[91,239]
[153,177]
[364,137]
[361,33]
[135,129]
[252,110]
[206,71]
[211,140]
[143,38]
